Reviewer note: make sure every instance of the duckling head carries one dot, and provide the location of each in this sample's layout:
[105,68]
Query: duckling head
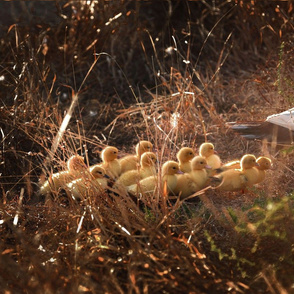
[76,164]
[142,147]
[109,154]
[98,172]
[185,154]
[206,149]
[248,161]
[170,168]
[148,159]
[264,163]
[198,163]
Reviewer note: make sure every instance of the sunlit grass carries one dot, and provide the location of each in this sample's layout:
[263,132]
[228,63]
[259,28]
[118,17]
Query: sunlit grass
[110,74]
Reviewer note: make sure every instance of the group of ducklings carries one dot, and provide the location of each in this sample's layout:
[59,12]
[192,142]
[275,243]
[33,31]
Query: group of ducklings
[137,174]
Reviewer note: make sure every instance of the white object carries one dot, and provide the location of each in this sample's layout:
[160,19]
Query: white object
[284,119]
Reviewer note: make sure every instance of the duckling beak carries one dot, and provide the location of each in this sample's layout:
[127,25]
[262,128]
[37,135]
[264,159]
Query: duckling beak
[179,172]
[257,164]
[106,176]
[207,166]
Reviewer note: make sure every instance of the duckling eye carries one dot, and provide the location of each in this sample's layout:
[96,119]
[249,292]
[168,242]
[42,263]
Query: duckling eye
[174,167]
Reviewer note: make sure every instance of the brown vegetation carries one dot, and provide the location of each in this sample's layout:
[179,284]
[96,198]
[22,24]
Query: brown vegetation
[172,72]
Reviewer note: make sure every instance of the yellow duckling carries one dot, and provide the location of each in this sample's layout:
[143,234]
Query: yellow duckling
[213,160]
[146,169]
[82,187]
[110,162]
[149,184]
[189,183]
[199,172]
[144,186]
[131,162]
[147,165]
[75,168]
[239,179]
[184,157]
[264,164]
[169,178]
[185,186]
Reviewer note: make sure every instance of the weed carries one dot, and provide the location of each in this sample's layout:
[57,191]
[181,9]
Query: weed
[111,73]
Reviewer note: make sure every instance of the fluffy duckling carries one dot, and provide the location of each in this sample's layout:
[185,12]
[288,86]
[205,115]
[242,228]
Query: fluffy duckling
[147,165]
[265,163]
[168,173]
[80,188]
[239,179]
[184,157]
[207,151]
[189,183]
[145,186]
[185,186]
[146,169]
[131,162]
[110,162]
[149,184]
[75,168]
[199,172]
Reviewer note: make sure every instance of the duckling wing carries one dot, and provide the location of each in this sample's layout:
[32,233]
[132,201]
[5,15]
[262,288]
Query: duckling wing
[232,180]
[129,162]
[56,181]
[146,185]
[252,175]
[214,161]
[185,186]
[147,172]
[129,178]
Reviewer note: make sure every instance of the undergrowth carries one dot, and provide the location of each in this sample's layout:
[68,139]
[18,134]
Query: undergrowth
[170,72]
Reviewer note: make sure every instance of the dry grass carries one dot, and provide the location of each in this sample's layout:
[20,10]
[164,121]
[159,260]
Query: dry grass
[170,72]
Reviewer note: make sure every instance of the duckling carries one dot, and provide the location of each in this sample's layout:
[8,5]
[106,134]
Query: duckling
[189,183]
[185,186]
[168,173]
[199,172]
[99,175]
[184,157]
[110,162]
[147,165]
[207,151]
[248,166]
[234,164]
[145,186]
[146,169]
[265,163]
[131,162]
[75,168]
[149,184]
[239,179]
[80,188]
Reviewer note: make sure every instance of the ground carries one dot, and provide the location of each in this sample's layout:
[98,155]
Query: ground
[174,73]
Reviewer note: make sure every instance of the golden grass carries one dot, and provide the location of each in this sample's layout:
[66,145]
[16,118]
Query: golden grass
[108,74]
